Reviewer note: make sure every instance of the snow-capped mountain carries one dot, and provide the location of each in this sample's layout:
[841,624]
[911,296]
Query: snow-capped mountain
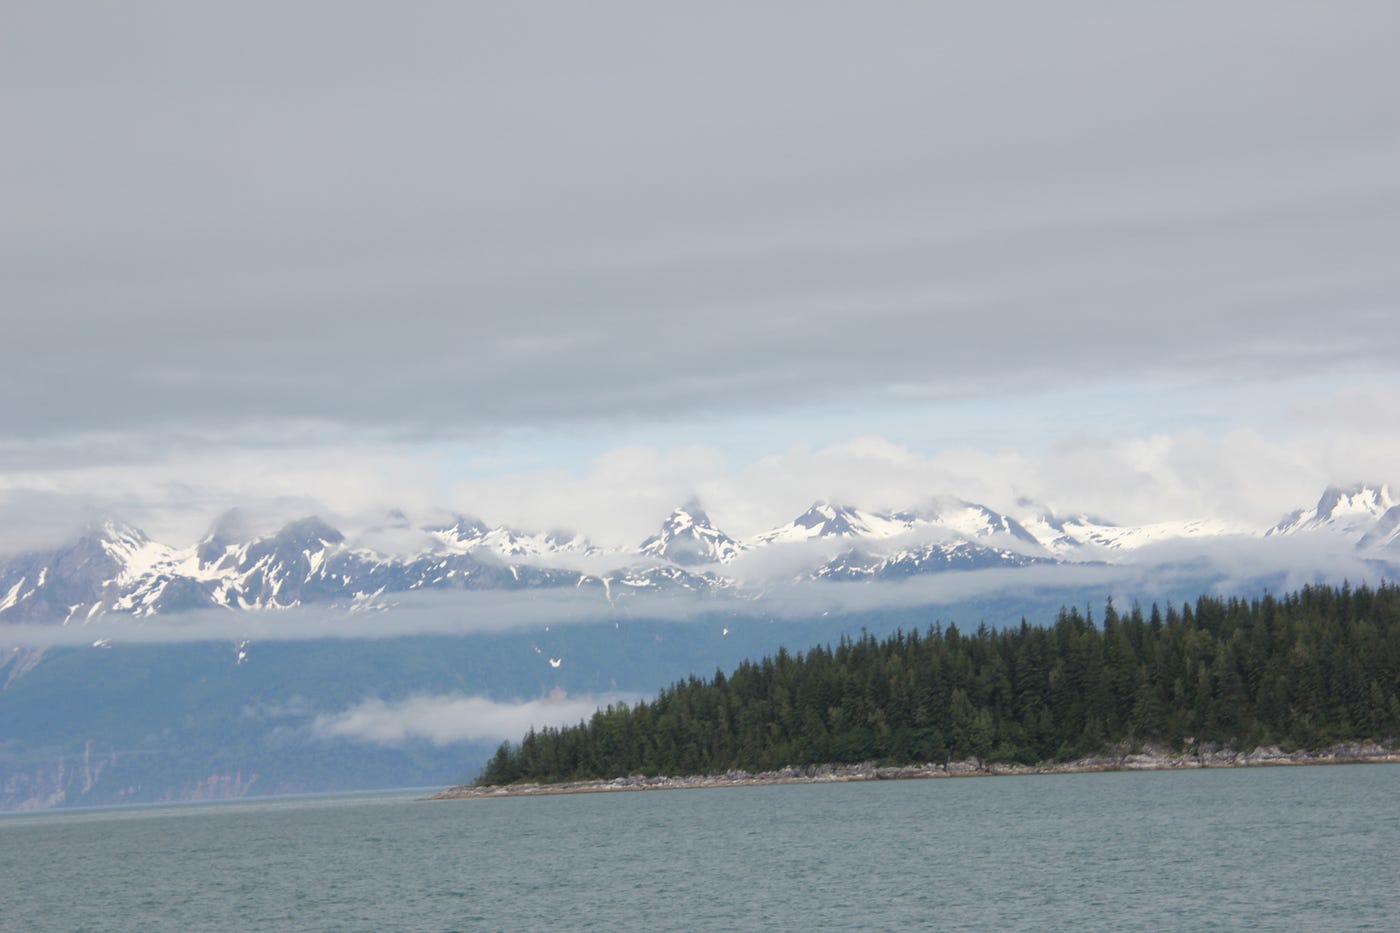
[824,520]
[1351,510]
[467,534]
[1080,536]
[112,567]
[947,520]
[688,538]
[973,522]
[41,587]
[858,564]
[941,535]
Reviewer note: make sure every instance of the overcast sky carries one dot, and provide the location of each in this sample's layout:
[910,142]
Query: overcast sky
[571,264]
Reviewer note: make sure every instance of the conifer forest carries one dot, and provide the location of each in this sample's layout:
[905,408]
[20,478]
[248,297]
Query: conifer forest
[1305,670]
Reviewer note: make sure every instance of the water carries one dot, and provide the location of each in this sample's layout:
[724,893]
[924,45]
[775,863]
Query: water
[1294,848]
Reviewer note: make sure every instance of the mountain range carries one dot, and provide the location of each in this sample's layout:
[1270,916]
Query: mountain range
[113,567]
[97,719]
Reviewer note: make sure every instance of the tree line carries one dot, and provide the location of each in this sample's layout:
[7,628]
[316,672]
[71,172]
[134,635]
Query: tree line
[1305,670]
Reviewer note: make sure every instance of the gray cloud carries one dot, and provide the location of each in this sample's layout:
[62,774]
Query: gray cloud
[445,222]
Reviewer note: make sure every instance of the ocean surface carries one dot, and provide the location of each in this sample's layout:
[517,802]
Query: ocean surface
[1308,848]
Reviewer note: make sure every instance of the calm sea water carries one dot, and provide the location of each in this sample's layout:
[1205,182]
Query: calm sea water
[1280,848]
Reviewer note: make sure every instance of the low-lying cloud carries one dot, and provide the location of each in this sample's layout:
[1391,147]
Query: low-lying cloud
[448,719]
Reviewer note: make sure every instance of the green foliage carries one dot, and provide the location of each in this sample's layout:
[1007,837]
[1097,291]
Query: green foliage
[1306,670]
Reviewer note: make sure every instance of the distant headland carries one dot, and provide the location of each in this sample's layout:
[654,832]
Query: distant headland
[1304,678]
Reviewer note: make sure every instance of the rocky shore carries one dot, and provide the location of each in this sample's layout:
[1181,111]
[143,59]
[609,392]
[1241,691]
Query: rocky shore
[1146,758]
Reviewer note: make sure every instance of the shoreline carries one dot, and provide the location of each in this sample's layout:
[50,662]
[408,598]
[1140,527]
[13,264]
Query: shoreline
[1149,758]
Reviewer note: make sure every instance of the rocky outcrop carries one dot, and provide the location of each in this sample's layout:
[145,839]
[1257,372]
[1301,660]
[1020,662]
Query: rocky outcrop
[216,787]
[1145,758]
[16,661]
[1214,755]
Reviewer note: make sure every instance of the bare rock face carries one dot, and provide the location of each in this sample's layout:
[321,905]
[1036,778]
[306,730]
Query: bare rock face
[68,779]
[56,782]
[227,786]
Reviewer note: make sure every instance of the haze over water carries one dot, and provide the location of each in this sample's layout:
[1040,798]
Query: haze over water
[1265,848]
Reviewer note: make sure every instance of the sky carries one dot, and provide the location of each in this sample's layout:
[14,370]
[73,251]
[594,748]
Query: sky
[568,266]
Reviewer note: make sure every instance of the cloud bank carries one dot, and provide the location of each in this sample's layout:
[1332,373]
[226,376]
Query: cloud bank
[1249,475]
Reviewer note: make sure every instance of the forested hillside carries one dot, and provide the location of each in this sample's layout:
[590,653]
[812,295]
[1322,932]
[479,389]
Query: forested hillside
[1305,670]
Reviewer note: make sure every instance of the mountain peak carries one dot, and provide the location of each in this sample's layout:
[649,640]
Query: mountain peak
[463,527]
[228,530]
[1340,509]
[110,536]
[232,523]
[309,533]
[829,519]
[685,516]
[971,520]
[112,530]
[825,520]
[688,537]
[1358,498]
